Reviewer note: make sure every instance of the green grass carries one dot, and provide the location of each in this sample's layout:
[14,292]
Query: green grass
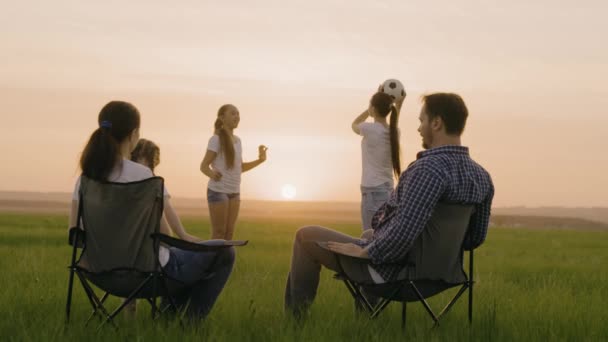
[532,285]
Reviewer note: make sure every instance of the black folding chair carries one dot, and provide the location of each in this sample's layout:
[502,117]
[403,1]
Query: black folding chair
[434,264]
[118,238]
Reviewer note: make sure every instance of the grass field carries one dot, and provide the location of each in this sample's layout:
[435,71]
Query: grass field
[531,285]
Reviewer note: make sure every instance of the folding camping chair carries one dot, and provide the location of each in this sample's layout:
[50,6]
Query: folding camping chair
[118,235]
[434,264]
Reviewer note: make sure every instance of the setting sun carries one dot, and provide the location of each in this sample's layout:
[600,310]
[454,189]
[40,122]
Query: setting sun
[288,191]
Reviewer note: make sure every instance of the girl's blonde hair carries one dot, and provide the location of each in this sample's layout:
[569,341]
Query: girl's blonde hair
[146,150]
[226,145]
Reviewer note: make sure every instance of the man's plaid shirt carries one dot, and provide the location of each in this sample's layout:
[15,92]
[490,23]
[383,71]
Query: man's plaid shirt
[445,173]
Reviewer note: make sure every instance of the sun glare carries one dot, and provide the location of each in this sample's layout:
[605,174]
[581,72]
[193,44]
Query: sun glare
[288,191]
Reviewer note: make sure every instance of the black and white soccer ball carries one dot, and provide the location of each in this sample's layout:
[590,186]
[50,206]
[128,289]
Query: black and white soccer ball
[394,88]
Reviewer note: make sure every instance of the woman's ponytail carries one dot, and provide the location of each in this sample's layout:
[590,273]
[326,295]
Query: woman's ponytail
[100,155]
[384,105]
[117,120]
[394,135]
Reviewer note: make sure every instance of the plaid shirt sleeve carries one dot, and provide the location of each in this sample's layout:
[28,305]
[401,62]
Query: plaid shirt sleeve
[418,192]
[378,215]
[478,227]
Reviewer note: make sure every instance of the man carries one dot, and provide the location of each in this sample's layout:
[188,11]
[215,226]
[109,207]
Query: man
[443,172]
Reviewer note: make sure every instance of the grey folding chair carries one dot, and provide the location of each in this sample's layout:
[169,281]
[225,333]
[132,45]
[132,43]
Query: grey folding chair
[433,265]
[118,238]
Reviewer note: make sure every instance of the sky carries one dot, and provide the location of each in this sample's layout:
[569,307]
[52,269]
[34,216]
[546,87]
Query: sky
[533,74]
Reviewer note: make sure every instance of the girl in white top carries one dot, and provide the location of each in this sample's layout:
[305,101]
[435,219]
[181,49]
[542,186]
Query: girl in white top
[380,153]
[223,164]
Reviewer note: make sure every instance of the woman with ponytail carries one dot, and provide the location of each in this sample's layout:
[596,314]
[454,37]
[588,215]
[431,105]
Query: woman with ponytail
[223,164]
[106,158]
[379,153]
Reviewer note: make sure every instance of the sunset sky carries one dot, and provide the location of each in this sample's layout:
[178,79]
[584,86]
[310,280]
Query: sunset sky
[533,74]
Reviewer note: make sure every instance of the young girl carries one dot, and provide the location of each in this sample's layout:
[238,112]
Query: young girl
[106,157]
[146,153]
[223,164]
[380,153]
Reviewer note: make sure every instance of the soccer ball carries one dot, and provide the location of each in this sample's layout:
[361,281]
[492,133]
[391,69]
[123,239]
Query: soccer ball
[394,88]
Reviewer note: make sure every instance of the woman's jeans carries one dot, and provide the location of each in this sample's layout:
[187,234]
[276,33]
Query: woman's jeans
[371,199]
[204,273]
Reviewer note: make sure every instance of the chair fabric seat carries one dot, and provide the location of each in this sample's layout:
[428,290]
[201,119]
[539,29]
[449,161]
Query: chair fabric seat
[124,282]
[427,288]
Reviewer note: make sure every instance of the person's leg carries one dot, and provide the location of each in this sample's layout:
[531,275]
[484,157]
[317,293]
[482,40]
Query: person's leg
[130,309]
[206,291]
[372,198]
[234,204]
[306,261]
[204,273]
[218,213]
[366,217]
[373,300]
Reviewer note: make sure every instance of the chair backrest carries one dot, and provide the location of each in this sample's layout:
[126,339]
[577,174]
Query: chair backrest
[437,252]
[118,219]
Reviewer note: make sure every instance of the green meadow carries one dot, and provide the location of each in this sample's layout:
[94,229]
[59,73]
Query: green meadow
[532,285]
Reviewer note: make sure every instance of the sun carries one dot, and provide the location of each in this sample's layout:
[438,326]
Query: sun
[288,191]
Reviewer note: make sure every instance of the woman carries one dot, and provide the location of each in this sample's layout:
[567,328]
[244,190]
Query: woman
[379,153]
[106,158]
[223,164]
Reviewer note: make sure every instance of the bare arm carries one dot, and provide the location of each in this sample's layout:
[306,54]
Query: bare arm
[361,118]
[250,165]
[171,221]
[261,158]
[206,166]
[73,215]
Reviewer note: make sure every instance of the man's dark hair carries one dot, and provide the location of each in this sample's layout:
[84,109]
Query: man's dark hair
[450,108]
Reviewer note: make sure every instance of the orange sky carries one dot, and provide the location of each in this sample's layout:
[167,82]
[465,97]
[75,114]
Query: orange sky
[533,76]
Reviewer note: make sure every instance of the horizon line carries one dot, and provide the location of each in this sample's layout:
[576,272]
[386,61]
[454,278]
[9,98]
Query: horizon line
[177,198]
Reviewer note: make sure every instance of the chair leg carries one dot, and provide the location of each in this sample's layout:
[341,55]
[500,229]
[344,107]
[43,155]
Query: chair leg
[109,318]
[383,304]
[95,302]
[471,302]
[471,282]
[69,301]
[403,314]
[172,303]
[447,308]
[154,292]
[360,300]
[95,313]
[360,297]
[424,303]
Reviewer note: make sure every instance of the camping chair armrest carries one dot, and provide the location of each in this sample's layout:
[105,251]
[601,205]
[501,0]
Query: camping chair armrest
[323,244]
[203,246]
[76,237]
